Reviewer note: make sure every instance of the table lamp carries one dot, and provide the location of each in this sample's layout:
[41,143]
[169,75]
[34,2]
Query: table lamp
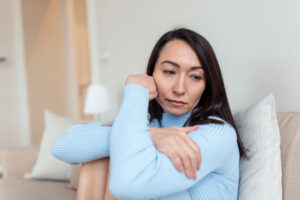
[97,100]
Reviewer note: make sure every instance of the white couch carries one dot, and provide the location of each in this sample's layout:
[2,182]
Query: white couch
[17,161]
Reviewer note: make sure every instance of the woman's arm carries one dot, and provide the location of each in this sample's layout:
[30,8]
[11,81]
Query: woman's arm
[84,136]
[83,143]
[139,170]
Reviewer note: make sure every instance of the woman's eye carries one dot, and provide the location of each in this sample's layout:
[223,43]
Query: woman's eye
[172,72]
[168,72]
[197,77]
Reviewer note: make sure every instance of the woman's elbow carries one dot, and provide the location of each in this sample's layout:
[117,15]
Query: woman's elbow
[121,191]
[59,152]
[57,149]
[126,189]
[116,187]
[60,149]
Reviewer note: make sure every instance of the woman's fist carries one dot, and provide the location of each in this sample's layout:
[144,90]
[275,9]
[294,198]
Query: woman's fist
[145,81]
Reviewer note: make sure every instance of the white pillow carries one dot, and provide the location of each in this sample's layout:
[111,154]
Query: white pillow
[47,166]
[260,176]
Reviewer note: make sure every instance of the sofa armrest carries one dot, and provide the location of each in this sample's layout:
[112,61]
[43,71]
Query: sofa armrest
[18,160]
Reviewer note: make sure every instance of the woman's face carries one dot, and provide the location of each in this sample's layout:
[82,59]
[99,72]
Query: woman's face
[179,76]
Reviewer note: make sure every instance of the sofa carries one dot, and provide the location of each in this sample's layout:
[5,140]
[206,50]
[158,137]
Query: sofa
[19,160]
[16,161]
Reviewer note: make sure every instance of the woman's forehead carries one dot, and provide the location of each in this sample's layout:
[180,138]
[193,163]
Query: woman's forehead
[179,52]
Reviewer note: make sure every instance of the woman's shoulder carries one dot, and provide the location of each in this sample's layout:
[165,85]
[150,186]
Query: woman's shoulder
[219,129]
[222,134]
[225,123]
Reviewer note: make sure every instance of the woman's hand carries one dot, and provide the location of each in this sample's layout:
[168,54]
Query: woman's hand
[179,147]
[145,81]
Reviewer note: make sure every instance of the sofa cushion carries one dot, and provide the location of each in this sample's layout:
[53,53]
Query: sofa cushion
[260,176]
[75,177]
[47,166]
[18,160]
[289,125]
[18,188]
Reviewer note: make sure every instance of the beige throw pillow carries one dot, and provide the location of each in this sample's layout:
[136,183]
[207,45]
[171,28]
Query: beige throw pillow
[46,165]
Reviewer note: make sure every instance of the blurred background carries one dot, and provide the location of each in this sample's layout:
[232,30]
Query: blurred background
[52,50]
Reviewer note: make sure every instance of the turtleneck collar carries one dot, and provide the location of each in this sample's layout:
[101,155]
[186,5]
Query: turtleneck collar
[174,120]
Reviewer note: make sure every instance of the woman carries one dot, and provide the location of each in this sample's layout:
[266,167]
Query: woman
[188,146]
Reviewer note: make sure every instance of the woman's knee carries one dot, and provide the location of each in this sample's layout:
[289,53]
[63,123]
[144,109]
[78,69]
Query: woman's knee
[95,164]
[96,168]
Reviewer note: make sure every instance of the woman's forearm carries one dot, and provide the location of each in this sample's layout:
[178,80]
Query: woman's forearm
[83,143]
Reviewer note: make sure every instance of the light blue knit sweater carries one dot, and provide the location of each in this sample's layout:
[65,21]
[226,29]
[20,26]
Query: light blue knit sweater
[138,170]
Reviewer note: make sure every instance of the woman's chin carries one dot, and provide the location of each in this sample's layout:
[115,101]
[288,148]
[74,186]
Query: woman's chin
[175,111]
[172,109]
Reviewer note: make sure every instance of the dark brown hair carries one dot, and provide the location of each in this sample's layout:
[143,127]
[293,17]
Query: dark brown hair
[213,101]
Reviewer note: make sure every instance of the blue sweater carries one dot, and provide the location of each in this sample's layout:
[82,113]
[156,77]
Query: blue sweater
[138,170]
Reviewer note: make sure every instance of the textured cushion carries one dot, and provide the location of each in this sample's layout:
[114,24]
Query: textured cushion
[47,166]
[289,125]
[260,176]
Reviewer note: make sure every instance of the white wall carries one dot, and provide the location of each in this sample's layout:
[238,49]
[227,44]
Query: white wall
[14,120]
[256,42]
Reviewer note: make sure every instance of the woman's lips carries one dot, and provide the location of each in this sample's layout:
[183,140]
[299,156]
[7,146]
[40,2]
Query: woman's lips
[176,103]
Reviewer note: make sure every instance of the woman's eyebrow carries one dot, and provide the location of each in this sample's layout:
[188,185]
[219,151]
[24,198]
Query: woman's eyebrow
[177,65]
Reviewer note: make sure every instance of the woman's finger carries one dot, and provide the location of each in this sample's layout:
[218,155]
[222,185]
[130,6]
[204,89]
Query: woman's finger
[194,159]
[177,162]
[192,143]
[170,151]
[184,151]
[195,148]
[188,129]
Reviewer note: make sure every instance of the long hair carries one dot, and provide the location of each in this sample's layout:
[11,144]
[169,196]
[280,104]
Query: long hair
[213,101]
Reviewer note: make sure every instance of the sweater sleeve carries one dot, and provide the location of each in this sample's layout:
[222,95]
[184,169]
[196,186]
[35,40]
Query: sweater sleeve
[83,143]
[139,170]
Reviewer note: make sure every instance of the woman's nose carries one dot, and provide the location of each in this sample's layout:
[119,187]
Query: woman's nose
[179,88]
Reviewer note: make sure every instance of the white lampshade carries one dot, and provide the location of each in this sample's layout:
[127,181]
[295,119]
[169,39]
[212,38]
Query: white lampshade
[97,100]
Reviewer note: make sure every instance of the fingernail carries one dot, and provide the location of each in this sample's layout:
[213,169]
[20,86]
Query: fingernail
[188,175]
